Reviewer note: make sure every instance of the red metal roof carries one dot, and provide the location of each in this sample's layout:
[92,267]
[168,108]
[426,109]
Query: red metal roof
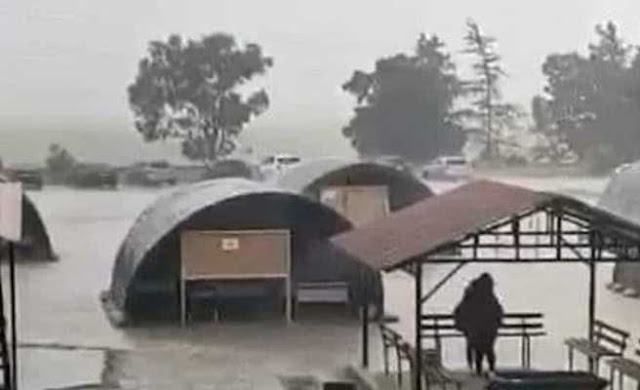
[421,228]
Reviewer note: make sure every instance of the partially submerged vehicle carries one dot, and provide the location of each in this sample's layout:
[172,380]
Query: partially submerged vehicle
[31,178]
[94,176]
[448,168]
[151,174]
[397,162]
[233,167]
[276,164]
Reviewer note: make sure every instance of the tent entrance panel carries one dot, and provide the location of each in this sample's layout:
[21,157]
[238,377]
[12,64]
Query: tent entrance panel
[359,204]
[241,256]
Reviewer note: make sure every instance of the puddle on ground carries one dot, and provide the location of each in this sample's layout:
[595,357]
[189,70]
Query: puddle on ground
[69,369]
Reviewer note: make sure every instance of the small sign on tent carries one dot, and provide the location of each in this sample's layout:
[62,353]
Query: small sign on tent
[11,211]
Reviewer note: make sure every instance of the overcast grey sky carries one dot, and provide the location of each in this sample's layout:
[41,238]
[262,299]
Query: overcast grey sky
[69,61]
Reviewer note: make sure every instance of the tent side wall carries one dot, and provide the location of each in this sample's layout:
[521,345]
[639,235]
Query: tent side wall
[37,242]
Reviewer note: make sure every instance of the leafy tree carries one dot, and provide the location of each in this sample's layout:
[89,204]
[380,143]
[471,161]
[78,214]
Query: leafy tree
[592,100]
[405,106]
[610,48]
[60,163]
[553,144]
[189,90]
[487,110]
[541,113]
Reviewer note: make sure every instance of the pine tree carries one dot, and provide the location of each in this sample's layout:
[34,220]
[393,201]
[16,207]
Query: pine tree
[486,108]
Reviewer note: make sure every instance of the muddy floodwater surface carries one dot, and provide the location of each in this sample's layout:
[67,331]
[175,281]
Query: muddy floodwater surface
[67,340]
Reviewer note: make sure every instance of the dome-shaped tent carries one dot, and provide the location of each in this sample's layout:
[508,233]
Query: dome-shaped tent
[144,282]
[311,177]
[35,244]
[622,197]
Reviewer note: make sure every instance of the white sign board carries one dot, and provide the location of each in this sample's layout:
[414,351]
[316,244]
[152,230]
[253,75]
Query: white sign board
[11,211]
[230,244]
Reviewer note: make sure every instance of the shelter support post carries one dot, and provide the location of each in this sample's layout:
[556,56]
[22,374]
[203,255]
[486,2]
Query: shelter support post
[14,317]
[515,227]
[183,298]
[592,293]
[418,322]
[365,333]
[288,311]
[558,233]
[288,283]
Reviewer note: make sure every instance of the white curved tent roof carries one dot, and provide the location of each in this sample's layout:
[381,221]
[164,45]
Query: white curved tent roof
[622,194]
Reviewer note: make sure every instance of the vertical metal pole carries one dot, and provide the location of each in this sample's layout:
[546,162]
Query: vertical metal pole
[364,313]
[418,320]
[288,308]
[516,236]
[6,373]
[288,297]
[592,293]
[558,237]
[183,297]
[476,243]
[14,317]
[365,333]
[538,230]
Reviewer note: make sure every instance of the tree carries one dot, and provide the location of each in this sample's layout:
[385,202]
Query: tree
[487,109]
[60,163]
[610,48]
[592,100]
[405,106]
[553,144]
[190,91]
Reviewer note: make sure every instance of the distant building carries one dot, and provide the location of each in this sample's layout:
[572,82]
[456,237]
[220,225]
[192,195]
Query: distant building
[232,243]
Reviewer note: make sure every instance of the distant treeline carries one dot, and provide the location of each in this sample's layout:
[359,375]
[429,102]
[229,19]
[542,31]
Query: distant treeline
[414,105]
[417,106]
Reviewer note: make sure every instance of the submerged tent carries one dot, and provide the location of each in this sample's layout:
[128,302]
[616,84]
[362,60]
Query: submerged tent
[311,178]
[622,198]
[147,270]
[35,244]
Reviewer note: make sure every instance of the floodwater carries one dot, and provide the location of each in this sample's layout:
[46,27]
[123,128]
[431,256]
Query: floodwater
[60,310]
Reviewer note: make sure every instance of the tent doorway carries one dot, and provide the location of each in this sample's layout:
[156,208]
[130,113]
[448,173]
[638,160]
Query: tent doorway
[359,204]
[234,269]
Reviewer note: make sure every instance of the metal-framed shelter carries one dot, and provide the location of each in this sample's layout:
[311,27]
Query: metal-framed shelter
[490,222]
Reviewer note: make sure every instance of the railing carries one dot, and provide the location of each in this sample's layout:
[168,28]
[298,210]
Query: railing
[518,325]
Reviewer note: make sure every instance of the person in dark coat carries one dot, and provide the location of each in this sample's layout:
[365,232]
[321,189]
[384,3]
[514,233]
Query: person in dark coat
[479,316]
[463,320]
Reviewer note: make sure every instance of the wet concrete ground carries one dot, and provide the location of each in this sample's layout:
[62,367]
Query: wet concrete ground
[59,303]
